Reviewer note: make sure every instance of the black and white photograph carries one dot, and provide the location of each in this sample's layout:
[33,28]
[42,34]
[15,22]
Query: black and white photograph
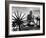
[25,19]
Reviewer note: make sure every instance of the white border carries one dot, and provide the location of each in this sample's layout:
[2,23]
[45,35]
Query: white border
[25,32]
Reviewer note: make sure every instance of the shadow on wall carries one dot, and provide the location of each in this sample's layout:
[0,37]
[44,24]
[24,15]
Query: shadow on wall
[12,37]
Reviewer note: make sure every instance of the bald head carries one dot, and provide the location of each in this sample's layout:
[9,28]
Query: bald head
[31,12]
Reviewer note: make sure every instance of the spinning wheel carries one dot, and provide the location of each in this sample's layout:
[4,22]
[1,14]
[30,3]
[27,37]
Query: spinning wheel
[18,20]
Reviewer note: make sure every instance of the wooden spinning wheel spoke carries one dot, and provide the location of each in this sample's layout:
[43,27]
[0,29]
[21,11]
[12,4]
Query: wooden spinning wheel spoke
[22,17]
